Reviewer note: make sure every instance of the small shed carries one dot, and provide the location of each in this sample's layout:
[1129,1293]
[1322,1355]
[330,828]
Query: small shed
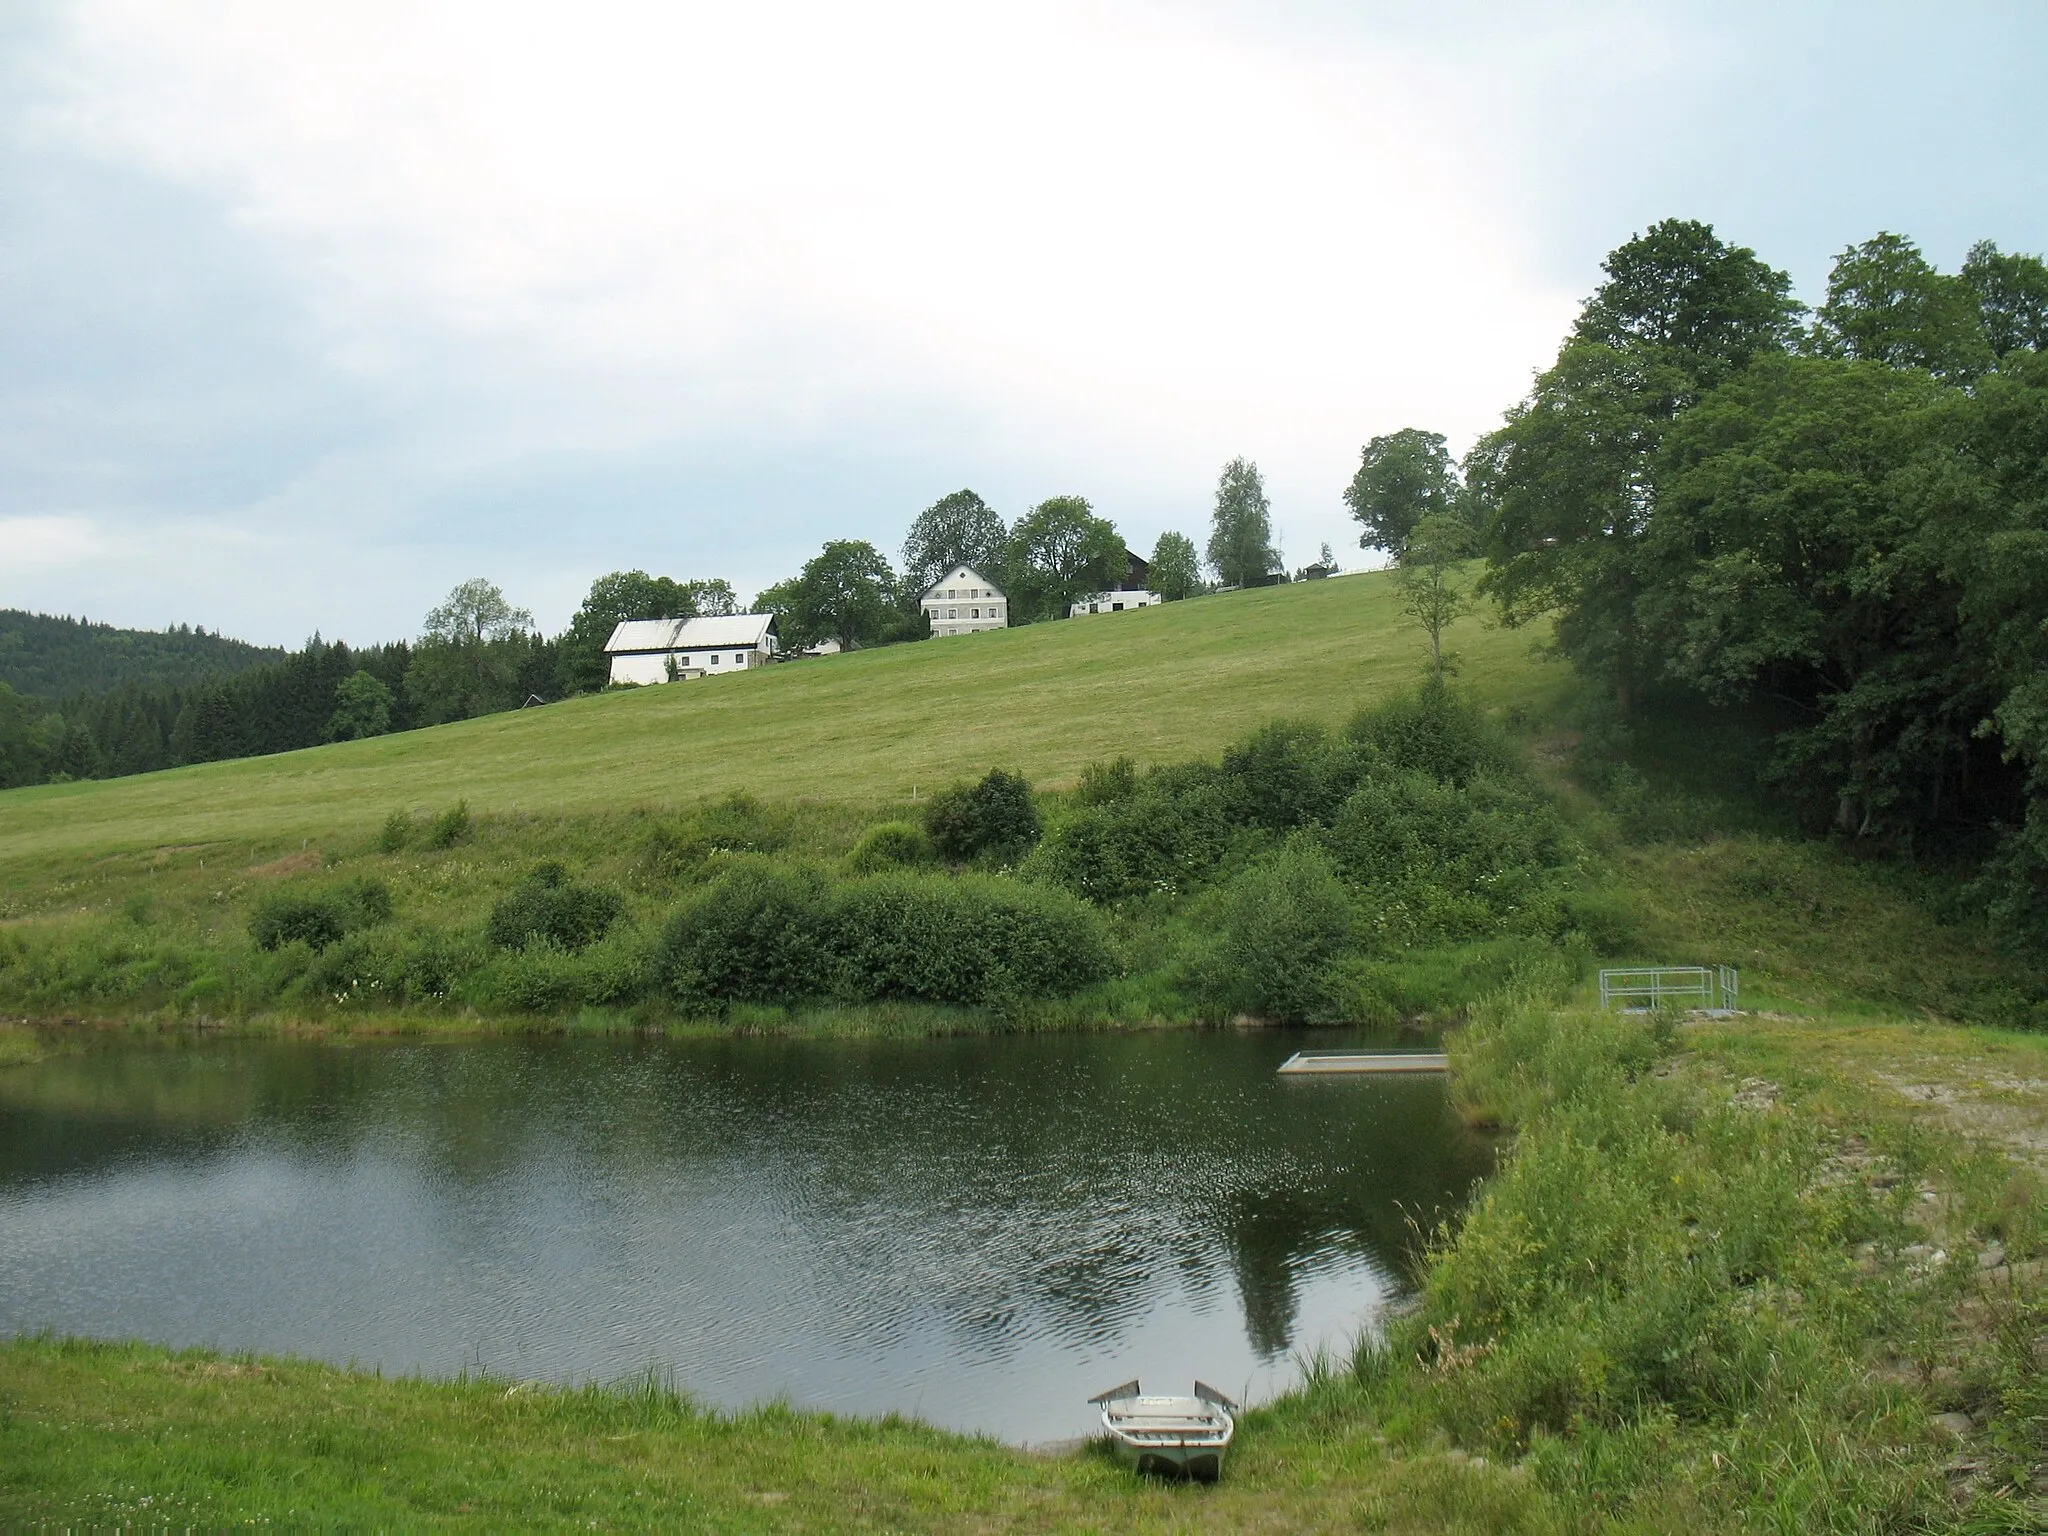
[673,650]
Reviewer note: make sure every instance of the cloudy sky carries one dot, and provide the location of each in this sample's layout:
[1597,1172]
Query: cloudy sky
[308,311]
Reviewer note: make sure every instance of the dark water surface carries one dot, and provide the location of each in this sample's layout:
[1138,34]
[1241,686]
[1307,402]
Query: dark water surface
[980,1231]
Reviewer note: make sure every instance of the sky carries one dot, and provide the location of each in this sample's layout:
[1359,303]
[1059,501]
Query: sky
[309,312]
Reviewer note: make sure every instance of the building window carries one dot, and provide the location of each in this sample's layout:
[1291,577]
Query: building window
[952,613]
[976,614]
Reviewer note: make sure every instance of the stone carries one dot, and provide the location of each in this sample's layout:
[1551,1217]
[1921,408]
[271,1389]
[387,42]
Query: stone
[1957,1425]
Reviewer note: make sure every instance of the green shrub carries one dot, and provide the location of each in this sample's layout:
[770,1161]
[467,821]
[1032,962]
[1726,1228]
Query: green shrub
[369,900]
[889,845]
[966,941]
[1437,860]
[1107,783]
[759,932]
[1608,919]
[549,907]
[538,979]
[1283,775]
[452,826]
[1285,923]
[1166,836]
[994,818]
[678,850]
[396,832]
[1434,731]
[298,917]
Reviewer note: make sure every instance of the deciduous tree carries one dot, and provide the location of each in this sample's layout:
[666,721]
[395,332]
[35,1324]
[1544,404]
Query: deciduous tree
[1887,304]
[1241,528]
[362,707]
[1176,567]
[1403,477]
[959,529]
[843,594]
[2012,298]
[1432,595]
[1059,551]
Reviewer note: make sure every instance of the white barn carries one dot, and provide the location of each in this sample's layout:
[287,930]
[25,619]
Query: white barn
[1114,602]
[964,602]
[665,650]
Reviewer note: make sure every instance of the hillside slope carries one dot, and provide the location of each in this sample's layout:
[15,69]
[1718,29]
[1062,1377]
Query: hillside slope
[56,658]
[1156,684]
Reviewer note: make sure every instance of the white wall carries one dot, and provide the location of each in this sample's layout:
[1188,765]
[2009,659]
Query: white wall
[653,667]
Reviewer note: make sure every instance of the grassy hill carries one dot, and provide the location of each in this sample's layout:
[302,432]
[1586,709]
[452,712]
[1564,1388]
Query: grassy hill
[1157,684]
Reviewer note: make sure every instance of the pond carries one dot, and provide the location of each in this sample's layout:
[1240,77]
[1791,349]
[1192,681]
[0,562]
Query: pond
[981,1231]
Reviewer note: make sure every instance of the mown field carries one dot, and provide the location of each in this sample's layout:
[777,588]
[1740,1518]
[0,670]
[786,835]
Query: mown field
[878,726]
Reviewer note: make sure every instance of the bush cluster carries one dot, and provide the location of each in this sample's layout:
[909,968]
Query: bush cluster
[738,823]
[761,932]
[548,907]
[318,918]
[1417,825]
[993,819]
[889,845]
[1285,923]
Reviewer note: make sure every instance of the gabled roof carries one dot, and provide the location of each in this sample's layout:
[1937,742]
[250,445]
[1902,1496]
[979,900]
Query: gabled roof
[957,574]
[735,631]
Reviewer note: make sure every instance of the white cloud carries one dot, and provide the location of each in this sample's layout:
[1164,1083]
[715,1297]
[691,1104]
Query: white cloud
[49,542]
[1110,227]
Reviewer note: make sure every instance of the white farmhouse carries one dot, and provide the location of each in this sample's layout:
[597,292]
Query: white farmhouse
[963,602]
[666,650]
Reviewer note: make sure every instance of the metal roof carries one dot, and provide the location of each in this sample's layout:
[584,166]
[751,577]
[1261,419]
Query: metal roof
[741,630]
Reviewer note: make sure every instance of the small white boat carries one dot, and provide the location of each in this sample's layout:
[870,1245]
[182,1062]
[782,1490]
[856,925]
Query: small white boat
[1171,1436]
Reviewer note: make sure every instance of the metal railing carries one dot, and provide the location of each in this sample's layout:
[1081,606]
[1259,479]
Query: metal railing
[1715,989]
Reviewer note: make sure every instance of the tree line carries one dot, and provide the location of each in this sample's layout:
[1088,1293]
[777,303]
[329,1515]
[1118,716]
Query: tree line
[477,653]
[1829,525]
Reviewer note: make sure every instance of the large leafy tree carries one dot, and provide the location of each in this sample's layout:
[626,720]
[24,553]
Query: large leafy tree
[1887,304]
[1690,308]
[362,707]
[1241,527]
[959,529]
[1176,567]
[1403,477]
[2012,298]
[1059,551]
[474,612]
[843,593]
[1567,478]
[1795,557]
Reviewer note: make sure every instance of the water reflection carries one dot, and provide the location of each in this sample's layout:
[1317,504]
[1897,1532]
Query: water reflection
[973,1229]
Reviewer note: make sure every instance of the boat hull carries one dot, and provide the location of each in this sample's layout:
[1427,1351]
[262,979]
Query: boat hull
[1197,1463]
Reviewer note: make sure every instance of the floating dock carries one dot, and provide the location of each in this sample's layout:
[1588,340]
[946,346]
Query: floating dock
[1331,1063]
